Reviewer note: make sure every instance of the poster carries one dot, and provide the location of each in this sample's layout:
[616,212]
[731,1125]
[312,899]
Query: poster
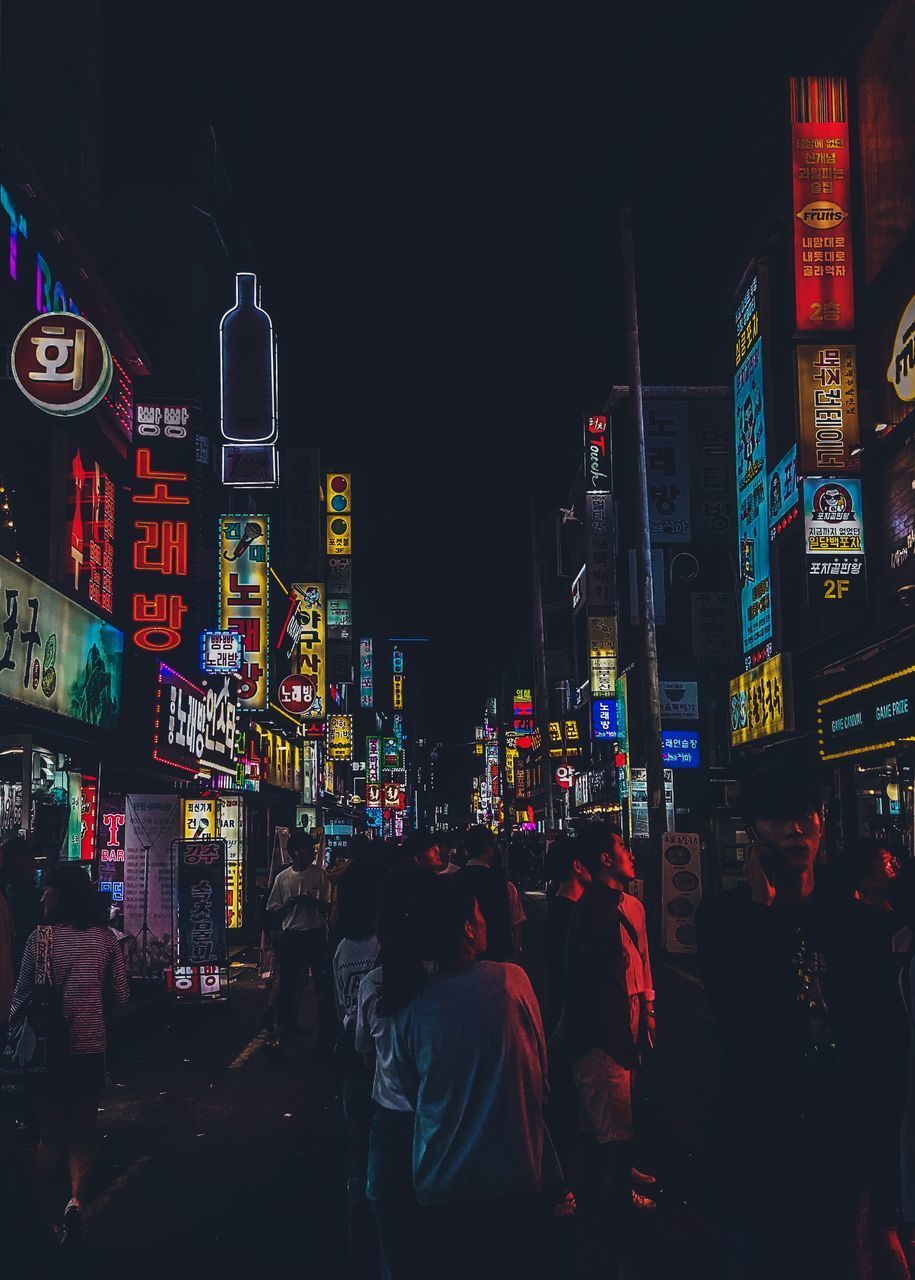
[151,824]
[681,890]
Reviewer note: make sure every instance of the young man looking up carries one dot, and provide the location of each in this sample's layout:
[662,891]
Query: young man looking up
[571,877]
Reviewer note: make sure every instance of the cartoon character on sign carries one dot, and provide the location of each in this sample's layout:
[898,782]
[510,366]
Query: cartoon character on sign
[832,503]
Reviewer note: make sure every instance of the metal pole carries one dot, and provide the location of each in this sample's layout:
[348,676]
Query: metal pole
[540,681]
[648,645]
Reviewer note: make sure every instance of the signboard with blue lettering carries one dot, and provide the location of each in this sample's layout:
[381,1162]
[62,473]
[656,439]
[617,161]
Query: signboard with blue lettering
[603,719]
[680,750]
[752,481]
[872,716]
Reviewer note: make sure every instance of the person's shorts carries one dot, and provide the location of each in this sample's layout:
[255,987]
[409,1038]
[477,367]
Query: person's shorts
[604,1096]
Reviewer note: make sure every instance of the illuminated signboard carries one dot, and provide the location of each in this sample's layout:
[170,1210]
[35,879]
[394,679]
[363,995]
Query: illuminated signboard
[61,363]
[201,893]
[339,536]
[761,701]
[834,540]
[681,749]
[55,654]
[195,728]
[667,437]
[340,737]
[247,390]
[221,653]
[244,561]
[87,560]
[872,716]
[199,818]
[397,662]
[83,797]
[827,399]
[111,847]
[393,796]
[366,673]
[603,719]
[523,718]
[597,454]
[783,493]
[230,814]
[373,759]
[390,751]
[397,686]
[602,655]
[821,182]
[901,370]
[339,617]
[752,476]
[679,699]
[160,550]
[312,643]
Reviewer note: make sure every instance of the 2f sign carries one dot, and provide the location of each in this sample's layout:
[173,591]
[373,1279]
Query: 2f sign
[836,588]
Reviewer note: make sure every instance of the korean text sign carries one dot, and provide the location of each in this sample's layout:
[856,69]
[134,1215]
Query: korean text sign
[161,547]
[201,901]
[195,728]
[56,655]
[761,701]
[821,181]
[752,476]
[312,643]
[244,560]
[834,540]
[61,363]
[87,559]
[827,400]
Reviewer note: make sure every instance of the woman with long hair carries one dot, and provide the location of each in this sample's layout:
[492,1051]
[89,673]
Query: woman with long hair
[86,967]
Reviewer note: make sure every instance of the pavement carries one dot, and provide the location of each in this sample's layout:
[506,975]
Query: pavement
[216,1159]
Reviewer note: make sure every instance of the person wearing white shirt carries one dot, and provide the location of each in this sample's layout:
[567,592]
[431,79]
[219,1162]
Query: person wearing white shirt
[299,902]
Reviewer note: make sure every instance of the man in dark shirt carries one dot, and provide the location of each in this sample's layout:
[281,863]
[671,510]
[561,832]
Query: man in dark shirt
[572,878]
[498,898]
[795,975]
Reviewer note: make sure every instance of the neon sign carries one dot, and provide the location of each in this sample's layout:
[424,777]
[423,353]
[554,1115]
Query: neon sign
[90,530]
[244,551]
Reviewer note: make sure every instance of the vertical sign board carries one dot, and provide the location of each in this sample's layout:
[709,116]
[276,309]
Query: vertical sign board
[151,824]
[229,828]
[783,494]
[366,674]
[667,450]
[312,643]
[373,759]
[834,542]
[827,404]
[600,578]
[752,477]
[821,183]
[712,501]
[597,454]
[681,890]
[111,847]
[303,544]
[201,916]
[244,563]
[86,551]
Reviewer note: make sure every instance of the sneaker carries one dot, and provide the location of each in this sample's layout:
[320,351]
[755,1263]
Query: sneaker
[640,1179]
[72,1234]
[642,1204]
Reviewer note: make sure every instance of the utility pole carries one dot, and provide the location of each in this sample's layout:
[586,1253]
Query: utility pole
[541,684]
[648,643]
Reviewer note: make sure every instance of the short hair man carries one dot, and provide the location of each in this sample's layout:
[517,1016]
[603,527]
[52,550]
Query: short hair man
[499,900]
[299,901]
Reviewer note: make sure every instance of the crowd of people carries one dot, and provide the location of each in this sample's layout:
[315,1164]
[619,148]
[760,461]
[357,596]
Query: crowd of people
[481,1123]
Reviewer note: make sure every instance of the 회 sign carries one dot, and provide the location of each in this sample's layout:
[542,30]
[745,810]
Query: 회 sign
[61,363]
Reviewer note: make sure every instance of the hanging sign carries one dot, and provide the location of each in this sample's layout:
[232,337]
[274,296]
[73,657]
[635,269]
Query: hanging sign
[827,402]
[244,562]
[195,728]
[61,363]
[834,540]
[821,179]
[762,702]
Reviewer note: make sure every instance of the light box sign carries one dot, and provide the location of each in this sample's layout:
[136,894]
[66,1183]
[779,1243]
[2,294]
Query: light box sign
[244,562]
[600,579]
[827,400]
[603,719]
[339,617]
[900,373]
[56,655]
[397,692]
[229,828]
[111,847]
[834,541]
[61,364]
[783,494]
[761,701]
[366,673]
[821,182]
[312,643]
[373,759]
[602,655]
[597,454]
[680,749]
[161,535]
[679,699]
[872,716]
[752,476]
[195,728]
[202,902]
[87,566]
[221,653]
[247,390]
[340,737]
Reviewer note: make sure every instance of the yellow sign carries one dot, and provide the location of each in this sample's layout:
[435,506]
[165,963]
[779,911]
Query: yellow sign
[339,493]
[398,693]
[244,562]
[229,819]
[199,819]
[281,760]
[602,651]
[340,737]
[762,702]
[339,535]
[311,620]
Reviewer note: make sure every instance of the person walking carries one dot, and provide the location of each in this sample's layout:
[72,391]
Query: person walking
[86,968]
[797,974]
[300,900]
[499,900]
[470,1054]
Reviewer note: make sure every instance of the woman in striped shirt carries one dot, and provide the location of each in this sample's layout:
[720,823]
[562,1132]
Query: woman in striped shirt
[87,967]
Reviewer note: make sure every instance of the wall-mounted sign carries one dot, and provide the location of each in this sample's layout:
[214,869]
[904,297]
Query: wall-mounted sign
[603,719]
[56,655]
[565,776]
[366,673]
[61,363]
[160,550]
[87,559]
[783,493]
[195,728]
[247,390]
[201,902]
[600,579]
[834,540]
[340,737]
[667,456]
[827,403]
[312,643]
[872,716]
[221,653]
[681,889]
[393,796]
[597,454]
[339,576]
[821,180]
[339,535]
[296,694]
[111,847]
[339,493]
[244,564]
[752,476]
[373,759]
[901,370]
[339,617]
[762,702]
[397,692]
[679,699]
[680,749]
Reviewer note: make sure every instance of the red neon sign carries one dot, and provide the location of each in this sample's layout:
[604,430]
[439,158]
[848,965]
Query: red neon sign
[90,554]
[160,550]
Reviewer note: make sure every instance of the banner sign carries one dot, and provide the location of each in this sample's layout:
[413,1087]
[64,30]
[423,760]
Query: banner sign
[602,655]
[230,817]
[600,577]
[201,875]
[752,476]
[340,737]
[312,643]
[821,181]
[244,560]
[195,728]
[762,703]
[597,454]
[783,494]
[667,457]
[366,673]
[869,717]
[56,655]
[827,402]
[834,540]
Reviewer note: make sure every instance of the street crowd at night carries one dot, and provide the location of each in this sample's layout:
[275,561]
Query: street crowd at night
[457,651]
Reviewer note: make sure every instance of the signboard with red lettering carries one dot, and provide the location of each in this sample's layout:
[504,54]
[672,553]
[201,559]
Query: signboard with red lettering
[244,549]
[160,502]
[86,563]
[61,363]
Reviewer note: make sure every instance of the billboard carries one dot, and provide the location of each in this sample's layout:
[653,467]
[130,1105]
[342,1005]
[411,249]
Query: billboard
[312,642]
[827,410]
[195,728]
[244,562]
[834,541]
[56,655]
[752,475]
[761,701]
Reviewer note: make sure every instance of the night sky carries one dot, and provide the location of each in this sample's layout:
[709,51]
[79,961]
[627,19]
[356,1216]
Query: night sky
[430,195]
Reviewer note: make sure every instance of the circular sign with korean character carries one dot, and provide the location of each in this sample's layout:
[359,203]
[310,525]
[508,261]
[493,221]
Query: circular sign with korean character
[62,363]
